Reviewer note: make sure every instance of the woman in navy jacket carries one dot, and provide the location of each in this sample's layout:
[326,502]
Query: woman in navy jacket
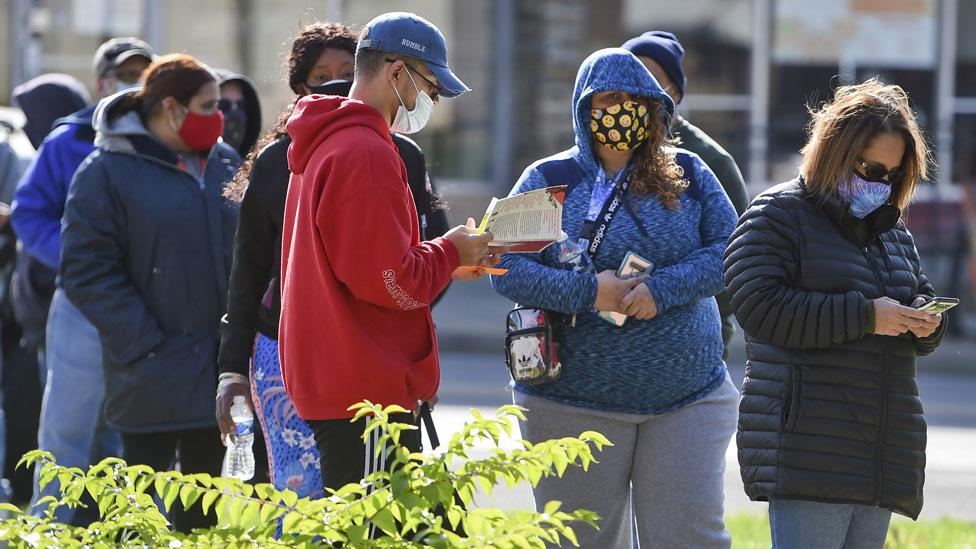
[146,254]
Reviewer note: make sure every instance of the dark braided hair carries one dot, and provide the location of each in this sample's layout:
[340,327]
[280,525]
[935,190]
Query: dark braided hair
[306,49]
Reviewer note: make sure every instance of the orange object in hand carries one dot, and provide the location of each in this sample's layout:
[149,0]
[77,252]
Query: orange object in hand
[486,270]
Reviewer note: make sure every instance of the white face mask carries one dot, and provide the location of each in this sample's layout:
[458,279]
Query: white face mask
[122,86]
[407,121]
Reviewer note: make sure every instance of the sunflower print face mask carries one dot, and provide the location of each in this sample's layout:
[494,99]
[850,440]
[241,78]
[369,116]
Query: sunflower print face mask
[622,126]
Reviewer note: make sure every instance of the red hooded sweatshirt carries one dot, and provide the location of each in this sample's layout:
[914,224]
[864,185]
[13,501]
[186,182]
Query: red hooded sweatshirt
[356,280]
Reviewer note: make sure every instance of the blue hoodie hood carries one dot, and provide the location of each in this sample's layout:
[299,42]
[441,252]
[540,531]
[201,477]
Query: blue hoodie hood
[605,70]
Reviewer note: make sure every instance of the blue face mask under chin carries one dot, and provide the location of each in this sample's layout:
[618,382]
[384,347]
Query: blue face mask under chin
[864,196]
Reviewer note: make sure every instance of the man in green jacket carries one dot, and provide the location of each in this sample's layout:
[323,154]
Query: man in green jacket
[661,53]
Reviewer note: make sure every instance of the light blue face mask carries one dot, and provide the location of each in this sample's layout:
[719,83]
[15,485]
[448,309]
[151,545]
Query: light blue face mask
[122,86]
[864,196]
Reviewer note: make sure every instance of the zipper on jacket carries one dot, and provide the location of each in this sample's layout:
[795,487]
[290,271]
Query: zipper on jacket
[791,406]
[200,181]
[884,386]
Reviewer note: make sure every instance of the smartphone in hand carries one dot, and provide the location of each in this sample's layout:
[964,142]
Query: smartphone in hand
[938,305]
[632,265]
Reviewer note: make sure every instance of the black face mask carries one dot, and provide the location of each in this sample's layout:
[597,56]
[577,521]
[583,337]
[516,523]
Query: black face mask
[235,126]
[332,87]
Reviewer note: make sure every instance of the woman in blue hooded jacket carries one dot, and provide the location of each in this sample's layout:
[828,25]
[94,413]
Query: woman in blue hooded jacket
[655,386]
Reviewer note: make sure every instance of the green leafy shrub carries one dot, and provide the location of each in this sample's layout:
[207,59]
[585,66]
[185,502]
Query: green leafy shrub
[425,502]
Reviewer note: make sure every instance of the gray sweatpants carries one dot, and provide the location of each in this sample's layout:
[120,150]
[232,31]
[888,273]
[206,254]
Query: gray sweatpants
[673,464]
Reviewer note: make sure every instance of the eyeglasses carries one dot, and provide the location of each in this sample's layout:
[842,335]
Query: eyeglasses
[435,87]
[875,172]
[129,76]
[226,104]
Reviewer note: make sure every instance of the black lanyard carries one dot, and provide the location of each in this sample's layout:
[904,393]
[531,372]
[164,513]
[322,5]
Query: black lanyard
[595,232]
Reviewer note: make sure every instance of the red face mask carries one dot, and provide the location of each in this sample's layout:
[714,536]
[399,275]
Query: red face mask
[201,131]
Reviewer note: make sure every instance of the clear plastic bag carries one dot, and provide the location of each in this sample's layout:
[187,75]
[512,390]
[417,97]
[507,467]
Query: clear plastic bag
[531,348]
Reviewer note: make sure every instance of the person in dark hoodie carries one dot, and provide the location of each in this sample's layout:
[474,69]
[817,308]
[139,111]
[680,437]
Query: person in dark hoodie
[47,98]
[662,53]
[242,125]
[242,111]
[71,425]
[357,281]
[321,61]
[147,244]
[826,282]
[47,101]
[655,386]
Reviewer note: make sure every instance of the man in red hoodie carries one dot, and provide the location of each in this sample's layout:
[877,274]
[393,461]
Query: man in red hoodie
[356,279]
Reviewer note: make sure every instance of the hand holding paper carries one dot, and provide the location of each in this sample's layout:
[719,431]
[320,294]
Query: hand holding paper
[527,222]
[472,245]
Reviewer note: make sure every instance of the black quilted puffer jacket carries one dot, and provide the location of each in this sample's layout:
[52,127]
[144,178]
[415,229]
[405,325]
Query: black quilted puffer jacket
[829,411]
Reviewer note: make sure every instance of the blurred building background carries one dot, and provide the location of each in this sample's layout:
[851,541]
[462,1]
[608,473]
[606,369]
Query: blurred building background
[753,66]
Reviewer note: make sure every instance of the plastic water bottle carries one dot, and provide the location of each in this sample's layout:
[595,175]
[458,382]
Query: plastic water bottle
[239,459]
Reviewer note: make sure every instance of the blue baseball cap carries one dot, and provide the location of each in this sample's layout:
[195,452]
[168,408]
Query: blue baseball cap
[413,36]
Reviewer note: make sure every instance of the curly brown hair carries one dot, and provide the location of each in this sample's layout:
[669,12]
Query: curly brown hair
[306,49]
[656,171]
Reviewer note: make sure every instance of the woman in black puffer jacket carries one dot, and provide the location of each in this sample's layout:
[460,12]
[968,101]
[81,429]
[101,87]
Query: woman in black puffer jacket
[824,275]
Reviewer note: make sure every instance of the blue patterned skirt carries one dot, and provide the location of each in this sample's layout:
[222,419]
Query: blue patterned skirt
[293,458]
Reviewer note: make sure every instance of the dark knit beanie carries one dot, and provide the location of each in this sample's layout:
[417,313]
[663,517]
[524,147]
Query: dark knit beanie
[664,48]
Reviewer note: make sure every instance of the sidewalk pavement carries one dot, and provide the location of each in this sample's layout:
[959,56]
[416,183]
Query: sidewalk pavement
[949,484]
[480,380]
[471,318]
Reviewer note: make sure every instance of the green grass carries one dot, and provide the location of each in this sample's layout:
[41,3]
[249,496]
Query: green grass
[751,531]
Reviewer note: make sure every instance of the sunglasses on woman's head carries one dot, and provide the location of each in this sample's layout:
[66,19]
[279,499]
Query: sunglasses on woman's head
[875,172]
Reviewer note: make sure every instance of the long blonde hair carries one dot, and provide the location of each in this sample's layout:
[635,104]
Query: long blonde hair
[843,128]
